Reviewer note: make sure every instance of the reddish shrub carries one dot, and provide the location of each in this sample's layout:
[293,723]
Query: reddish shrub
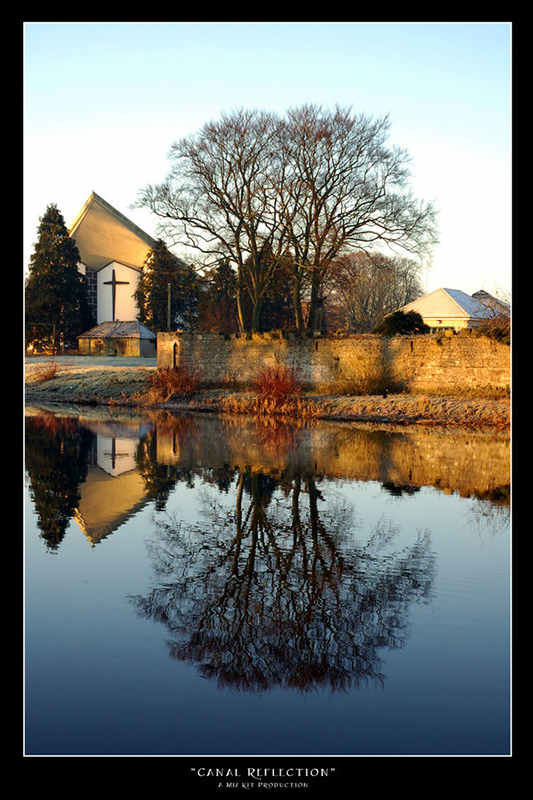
[171,382]
[278,383]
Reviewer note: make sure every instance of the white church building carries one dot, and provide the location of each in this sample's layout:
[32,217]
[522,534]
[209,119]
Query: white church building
[112,253]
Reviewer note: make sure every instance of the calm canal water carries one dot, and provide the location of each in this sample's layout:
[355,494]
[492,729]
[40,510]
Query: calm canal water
[206,586]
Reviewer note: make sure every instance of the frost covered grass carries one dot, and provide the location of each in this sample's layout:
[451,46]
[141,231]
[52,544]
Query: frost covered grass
[130,381]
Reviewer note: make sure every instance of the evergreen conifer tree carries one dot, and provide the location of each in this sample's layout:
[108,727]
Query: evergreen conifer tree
[162,270]
[217,305]
[56,300]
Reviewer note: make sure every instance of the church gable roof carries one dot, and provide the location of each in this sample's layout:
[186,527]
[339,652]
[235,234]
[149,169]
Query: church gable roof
[102,235]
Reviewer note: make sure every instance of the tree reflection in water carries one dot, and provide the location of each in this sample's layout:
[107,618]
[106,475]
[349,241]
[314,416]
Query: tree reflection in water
[56,455]
[271,591]
[276,594]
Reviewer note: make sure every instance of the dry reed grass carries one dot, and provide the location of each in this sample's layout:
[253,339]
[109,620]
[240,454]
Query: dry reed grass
[265,406]
[276,391]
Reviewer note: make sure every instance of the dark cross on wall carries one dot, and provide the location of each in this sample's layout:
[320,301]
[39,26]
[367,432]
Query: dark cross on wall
[114,283]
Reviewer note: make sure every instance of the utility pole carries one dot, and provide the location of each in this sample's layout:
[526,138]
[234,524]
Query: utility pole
[168,307]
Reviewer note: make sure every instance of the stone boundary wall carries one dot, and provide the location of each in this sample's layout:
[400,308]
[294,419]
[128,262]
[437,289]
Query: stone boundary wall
[351,364]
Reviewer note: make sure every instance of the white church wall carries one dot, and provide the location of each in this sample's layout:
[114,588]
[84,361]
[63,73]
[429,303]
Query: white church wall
[125,306]
[116,455]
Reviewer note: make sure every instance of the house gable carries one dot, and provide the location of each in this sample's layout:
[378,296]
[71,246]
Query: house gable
[449,308]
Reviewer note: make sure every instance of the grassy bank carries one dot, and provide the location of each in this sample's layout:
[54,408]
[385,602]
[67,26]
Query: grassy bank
[135,382]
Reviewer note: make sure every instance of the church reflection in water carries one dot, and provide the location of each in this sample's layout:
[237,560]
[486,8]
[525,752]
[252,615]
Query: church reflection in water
[268,587]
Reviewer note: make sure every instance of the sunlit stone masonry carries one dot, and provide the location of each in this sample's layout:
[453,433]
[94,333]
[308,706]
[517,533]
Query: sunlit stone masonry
[341,363]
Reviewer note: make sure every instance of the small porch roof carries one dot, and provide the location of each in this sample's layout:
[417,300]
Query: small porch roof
[119,330]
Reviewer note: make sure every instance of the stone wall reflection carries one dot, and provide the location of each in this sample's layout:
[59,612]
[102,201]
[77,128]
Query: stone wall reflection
[269,588]
[100,471]
[454,461]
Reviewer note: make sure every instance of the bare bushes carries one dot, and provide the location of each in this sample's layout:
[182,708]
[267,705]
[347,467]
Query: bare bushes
[276,390]
[47,371]
[497,328]
[277,384]
[170,383]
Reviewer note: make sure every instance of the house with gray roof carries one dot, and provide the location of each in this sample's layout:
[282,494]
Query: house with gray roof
[452,309]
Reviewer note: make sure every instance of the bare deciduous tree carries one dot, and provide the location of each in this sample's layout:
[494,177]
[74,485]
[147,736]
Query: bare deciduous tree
[346,187]
[305,189]
[218,198]
[364,288]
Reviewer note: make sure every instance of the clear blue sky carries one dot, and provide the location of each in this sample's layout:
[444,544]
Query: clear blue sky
[103,102]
